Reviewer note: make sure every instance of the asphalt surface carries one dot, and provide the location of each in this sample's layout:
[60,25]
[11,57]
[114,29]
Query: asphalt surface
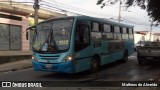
[117,71]
[129,71]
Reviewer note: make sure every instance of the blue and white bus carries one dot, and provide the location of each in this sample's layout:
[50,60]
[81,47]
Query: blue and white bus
[77,43]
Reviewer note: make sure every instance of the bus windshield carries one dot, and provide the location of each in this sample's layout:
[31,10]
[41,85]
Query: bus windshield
[53,35]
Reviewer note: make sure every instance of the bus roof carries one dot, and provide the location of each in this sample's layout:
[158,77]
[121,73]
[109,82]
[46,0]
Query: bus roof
[102,20]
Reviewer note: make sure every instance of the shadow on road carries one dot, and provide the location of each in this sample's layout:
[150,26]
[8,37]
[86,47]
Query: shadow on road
[84,74]
[151,65]
[114,71]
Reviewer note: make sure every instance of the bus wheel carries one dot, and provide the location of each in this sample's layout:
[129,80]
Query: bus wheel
[140,62]
[125,57]
[95,65]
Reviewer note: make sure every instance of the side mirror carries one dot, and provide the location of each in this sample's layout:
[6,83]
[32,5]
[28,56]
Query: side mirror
[30,28]
[26,35]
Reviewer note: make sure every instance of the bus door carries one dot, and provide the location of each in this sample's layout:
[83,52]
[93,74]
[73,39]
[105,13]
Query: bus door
[82,46]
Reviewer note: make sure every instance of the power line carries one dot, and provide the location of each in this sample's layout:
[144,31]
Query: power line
[52,7]
[68,6]
[47,4]
[61,5]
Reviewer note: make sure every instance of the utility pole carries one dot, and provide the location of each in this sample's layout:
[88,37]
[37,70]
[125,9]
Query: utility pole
[119,16]
[36,7]
[151,29]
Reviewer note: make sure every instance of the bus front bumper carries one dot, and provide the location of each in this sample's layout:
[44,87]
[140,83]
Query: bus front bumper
[64,67]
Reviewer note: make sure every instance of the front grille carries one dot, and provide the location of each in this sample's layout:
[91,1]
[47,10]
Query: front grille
[47,57]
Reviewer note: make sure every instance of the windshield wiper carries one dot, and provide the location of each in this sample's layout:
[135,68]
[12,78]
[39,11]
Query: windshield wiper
[47,45]
[53,40]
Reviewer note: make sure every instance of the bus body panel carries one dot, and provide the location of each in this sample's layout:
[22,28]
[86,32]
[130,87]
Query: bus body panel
[131,47]
[105,55]
[56,62]
[108,51]
[64,67]
[83,59]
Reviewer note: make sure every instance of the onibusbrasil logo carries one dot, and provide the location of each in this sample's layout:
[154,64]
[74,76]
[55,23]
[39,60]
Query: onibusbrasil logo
[21,84]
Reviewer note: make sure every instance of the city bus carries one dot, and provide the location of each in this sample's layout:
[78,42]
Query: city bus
[74,44]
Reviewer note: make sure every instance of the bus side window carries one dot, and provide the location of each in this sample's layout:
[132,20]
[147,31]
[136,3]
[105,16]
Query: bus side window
[82,37]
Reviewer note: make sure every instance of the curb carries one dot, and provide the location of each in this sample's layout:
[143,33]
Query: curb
[13,58]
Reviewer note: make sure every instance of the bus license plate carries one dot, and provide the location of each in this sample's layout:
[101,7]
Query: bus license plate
[49,66]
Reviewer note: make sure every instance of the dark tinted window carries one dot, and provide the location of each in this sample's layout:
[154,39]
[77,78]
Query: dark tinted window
[96,36]
[117,36]
[130,30]
[124,30]
[116,29]
[107,28]
[95,27]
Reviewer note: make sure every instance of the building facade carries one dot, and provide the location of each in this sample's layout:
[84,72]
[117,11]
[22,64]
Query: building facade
[12,32]
[145,36]
[13,25]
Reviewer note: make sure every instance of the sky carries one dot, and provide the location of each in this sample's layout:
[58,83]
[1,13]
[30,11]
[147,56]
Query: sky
[134,16]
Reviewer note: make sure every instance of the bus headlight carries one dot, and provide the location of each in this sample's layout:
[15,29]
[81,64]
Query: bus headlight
[34,58]
[69,57]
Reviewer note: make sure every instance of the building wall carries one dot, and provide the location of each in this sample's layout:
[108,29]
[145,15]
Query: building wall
[24,24]
[156,37]
[148,36]
[138,37]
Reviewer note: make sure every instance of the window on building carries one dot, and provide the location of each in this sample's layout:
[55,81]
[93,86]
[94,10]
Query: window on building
[10,37]
[4,37]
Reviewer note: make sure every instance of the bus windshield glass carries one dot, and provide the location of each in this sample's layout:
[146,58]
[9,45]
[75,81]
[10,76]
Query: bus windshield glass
[53,35]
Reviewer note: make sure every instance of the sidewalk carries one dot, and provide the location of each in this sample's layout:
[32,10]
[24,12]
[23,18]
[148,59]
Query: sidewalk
[17,65]
[11,56]
[14,60]
[14,53]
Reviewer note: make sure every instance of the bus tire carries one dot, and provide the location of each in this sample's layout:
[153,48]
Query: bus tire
[140,62]
[95,64]
[125,56]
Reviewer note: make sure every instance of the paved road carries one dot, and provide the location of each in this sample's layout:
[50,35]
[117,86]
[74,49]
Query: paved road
[117,71]
[129,71]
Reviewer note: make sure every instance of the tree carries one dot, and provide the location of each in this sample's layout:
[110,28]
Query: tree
[151,6]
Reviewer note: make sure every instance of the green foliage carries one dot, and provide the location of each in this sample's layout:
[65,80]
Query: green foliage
[31,21]
[151,6]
